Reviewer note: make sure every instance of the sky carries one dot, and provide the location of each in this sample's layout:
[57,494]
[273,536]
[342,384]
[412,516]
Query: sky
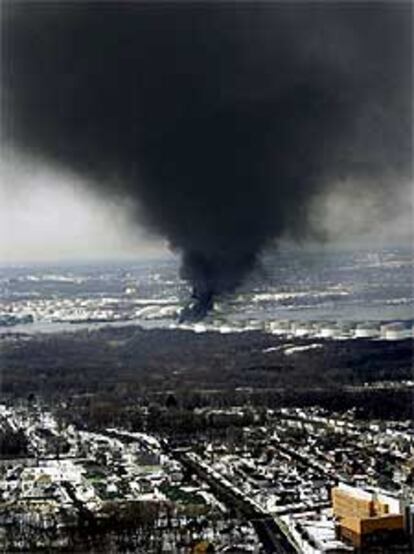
[48,215]
[236,127]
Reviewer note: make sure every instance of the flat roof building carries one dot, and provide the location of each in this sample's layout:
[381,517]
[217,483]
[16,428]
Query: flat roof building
[366,518]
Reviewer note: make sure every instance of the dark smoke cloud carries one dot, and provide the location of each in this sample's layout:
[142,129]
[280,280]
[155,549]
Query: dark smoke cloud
[220,121]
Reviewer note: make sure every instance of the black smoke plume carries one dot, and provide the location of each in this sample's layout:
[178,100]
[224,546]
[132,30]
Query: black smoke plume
[220,122]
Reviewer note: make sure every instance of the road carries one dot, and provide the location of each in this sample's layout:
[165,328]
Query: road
[273,538]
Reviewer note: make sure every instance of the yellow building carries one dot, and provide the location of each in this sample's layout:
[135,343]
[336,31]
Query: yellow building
[348,504]
[203,547]
[364,517]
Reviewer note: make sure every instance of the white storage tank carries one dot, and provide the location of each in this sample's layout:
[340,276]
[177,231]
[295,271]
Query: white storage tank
[254,325]
[367,331]
[328,330]
[280,327]
[302,328]
[346,329]
[395,331]
[225,329]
